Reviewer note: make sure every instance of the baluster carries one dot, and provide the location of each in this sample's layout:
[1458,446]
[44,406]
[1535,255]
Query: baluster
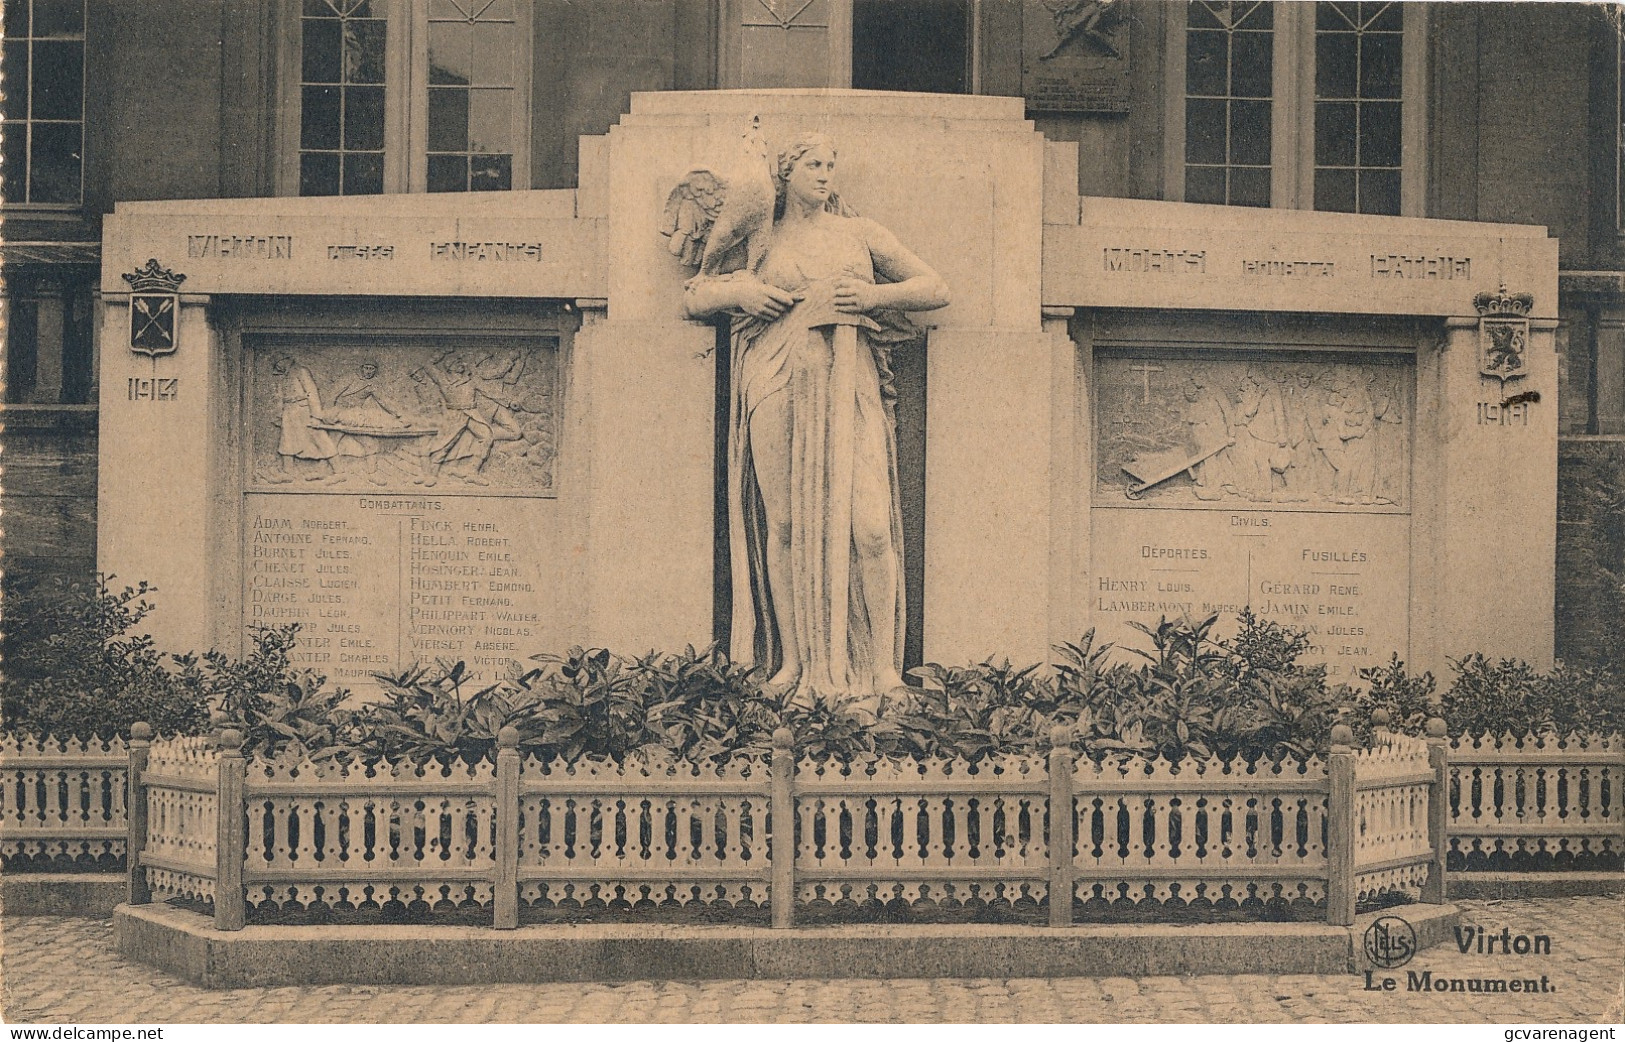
[1160,842]
[961,814]
[986,842]
[934,845]
[733,832]
[558,813]
[660,815]
[886,822]
[282,853]
[707,850]
[332,848]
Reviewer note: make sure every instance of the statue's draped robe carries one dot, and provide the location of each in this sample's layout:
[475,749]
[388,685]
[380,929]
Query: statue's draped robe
[832,370]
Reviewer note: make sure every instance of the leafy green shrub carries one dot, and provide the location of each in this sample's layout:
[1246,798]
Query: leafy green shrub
[279,709]
[1498,697]
[1195,696]
[76,669]
[975,711]
[1191,695]
[1409,700]
[425,714]
[73,667]
[1511,697]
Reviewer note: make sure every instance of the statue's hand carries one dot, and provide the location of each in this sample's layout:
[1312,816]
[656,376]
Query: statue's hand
[856,297]
[760,300]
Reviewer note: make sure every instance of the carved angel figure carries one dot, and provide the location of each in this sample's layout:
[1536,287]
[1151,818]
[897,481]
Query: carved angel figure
[815,534]
[709,214]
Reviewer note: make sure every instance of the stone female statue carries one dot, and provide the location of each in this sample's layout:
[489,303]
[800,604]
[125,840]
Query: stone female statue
[814,528]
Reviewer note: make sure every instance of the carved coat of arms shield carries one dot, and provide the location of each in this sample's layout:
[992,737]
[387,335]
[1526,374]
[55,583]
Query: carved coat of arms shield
[1502,346]
[155,305]
[1503,333]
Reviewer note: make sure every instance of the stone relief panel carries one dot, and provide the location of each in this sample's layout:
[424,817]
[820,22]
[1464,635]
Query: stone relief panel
[470,416]
[1326,432]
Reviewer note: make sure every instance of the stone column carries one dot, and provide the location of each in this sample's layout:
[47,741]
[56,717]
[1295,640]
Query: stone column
[159,447]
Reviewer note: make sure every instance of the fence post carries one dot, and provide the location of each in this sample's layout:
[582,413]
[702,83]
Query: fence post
[505,897]
[137,892]
[1380,733]
[229,848]
[783,891]
[1062,819]
[1434,890]
[1340,825]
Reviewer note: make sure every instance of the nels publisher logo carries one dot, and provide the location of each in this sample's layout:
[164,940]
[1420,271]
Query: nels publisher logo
[1389,942]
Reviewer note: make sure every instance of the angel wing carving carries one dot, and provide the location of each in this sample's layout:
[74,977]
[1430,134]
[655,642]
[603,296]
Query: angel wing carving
[691,211]
[709,214]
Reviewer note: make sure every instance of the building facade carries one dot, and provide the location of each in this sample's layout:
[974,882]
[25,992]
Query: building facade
[1414,110]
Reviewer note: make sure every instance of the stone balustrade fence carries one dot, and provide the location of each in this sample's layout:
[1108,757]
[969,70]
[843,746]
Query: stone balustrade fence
[63,801]
[209,825]
[1545,802]
[1336,831]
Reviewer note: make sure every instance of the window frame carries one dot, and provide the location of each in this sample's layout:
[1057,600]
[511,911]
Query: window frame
[406,97]
[1292,123]
[53,210]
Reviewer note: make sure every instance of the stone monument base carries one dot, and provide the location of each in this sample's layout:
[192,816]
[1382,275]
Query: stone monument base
[185,944]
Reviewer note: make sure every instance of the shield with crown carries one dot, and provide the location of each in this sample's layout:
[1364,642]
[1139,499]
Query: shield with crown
[1503,333]
[155,302]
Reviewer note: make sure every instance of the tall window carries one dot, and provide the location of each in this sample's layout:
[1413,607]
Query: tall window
[395,96]
[1298,105]
[1359,49]
[472,95]
[341,114]
[1229,79]
[44,107]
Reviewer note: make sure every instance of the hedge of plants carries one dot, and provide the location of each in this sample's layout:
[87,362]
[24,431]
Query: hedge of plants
[80,671]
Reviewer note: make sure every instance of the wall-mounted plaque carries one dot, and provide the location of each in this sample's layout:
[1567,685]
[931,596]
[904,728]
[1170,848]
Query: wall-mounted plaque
[1321,432]
[1275,481]
[468,417]
[400,502]
[1075,55]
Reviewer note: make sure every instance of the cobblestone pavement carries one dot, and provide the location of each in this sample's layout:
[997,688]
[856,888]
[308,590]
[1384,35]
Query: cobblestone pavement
[60,970]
